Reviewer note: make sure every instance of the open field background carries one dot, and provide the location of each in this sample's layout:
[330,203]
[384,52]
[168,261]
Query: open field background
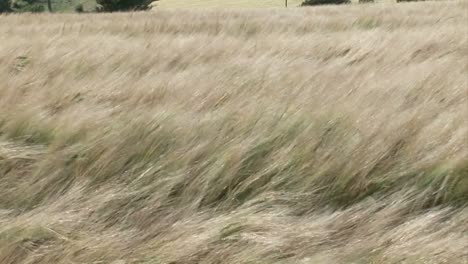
[226,4]
[313,135]
[236,3]
[67,6]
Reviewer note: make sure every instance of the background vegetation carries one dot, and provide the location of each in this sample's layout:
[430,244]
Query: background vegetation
[137,5]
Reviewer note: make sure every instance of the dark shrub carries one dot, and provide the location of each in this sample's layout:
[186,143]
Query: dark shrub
[324,2]
[32,8]
[29,6]
[5,6]
[79,8]
[122,5]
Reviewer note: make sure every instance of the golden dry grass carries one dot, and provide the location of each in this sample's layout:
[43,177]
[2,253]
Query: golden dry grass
[313,135]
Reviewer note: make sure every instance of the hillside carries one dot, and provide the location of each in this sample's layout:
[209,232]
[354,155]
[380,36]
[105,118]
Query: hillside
[225,4]
[89,5]
[309,135]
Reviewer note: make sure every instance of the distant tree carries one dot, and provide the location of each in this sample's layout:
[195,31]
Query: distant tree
[5,6]
[32,6]
[79,8]
[123,5]
[324,2]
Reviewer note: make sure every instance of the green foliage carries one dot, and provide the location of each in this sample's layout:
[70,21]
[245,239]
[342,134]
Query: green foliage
[122,5]
[324,2]
[79,8]
[5,6]
[33,8]
[27,6]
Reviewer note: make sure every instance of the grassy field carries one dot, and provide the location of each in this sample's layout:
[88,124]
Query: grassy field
[310,135]
[90,5]
[226,3]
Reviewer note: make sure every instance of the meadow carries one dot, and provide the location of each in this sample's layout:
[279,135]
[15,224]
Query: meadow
[226,4]
[334,134]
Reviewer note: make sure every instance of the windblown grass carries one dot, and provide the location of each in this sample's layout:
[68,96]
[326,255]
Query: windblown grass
[314,135]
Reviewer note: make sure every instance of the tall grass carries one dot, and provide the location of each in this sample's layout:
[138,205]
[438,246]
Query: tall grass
[316,135]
